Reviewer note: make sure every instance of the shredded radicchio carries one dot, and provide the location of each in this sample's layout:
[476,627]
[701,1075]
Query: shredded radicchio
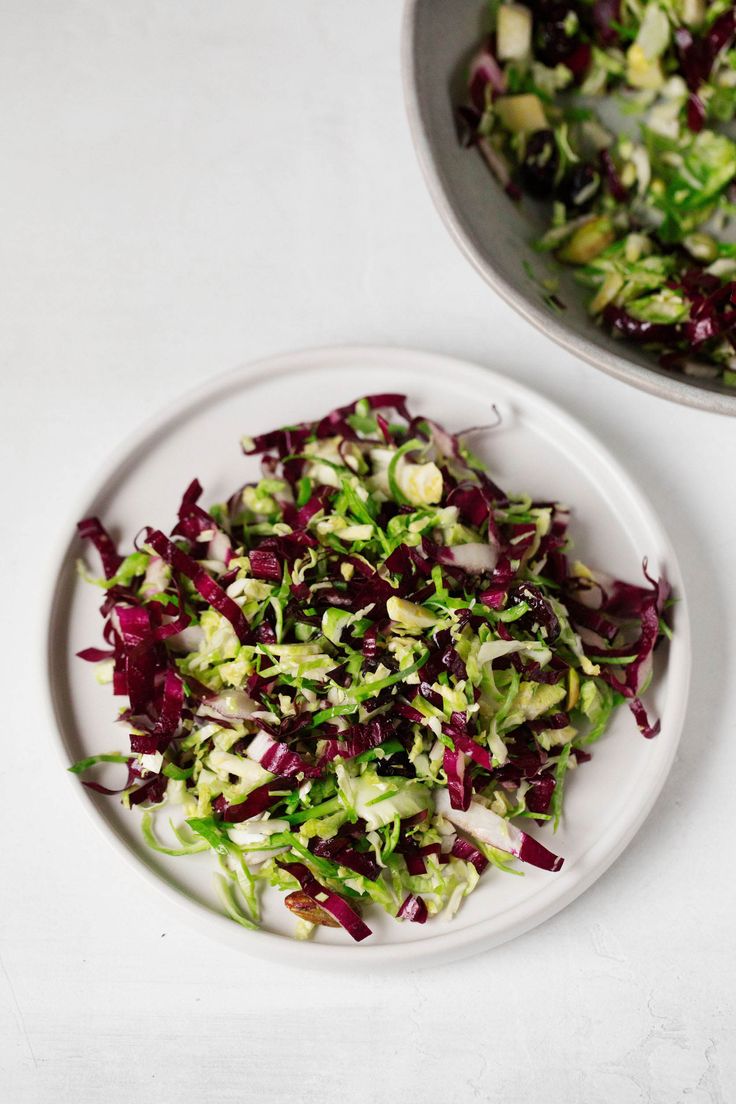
[362,668]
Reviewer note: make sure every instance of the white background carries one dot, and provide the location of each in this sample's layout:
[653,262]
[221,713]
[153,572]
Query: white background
[184,186]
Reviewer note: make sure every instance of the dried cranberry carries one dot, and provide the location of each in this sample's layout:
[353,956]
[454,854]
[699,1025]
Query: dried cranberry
[580,186]
[555,33]
[541,161]
[397,765]
[578,62]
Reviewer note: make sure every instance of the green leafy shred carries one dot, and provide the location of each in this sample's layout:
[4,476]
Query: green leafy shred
[380,627]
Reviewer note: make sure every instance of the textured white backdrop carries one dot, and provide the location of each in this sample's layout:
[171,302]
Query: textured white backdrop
[186,185]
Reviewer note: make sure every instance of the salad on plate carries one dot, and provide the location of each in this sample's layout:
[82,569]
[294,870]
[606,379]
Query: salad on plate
[618,117]
[366,678]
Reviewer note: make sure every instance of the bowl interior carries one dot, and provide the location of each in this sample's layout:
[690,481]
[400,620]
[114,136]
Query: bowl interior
[493,230]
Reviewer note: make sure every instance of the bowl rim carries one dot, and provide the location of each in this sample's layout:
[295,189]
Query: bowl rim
[675,388]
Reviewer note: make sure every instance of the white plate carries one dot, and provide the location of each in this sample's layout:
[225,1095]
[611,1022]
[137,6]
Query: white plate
[537,449]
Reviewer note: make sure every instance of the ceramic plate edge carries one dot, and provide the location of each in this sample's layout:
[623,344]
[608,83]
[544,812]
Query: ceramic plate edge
[447,945]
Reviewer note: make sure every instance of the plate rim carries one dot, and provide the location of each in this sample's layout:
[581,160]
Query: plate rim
[447,944]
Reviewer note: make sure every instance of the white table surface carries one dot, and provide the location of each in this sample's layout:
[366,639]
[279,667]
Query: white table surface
[187,185]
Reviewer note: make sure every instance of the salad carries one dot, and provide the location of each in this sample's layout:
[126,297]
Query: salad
[619,116]
[366,677]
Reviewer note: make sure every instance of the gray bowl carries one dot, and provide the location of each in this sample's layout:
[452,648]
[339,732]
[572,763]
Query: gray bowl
[439,37]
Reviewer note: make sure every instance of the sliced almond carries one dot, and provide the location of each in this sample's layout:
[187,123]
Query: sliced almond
[514,32]
[302,905]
